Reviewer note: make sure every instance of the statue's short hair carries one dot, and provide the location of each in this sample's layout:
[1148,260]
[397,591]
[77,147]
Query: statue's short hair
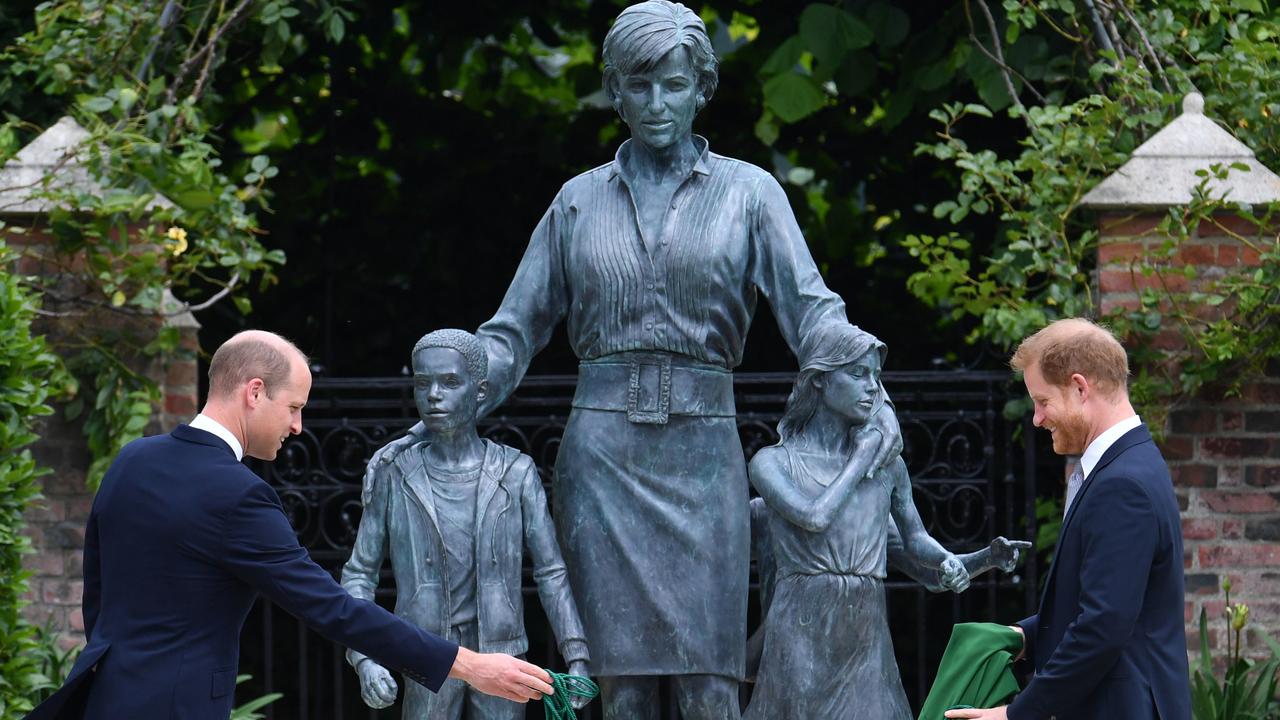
[644,33]
[1075,345]
[249,355]
[467,345]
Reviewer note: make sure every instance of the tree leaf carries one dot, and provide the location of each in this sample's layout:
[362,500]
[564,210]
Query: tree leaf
[785,57]
[992,90]
[766,129]
[792,97]
[889,24]
[830,33]
[98,105]
[934,76]
[856,74]
[198,199]
[337,28]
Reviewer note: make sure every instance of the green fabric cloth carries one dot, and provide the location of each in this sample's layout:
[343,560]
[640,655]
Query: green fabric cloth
[976,670]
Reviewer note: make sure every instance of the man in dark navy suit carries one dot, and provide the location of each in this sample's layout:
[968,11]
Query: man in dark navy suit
[1108,642]
[182,538]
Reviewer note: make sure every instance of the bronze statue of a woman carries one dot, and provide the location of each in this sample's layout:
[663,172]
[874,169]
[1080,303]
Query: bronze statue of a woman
[657,260]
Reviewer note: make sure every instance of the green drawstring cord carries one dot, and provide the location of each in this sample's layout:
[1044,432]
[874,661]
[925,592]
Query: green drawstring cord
[557,706]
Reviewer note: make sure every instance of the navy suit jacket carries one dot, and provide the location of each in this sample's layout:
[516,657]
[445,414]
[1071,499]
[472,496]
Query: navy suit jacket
[1109,641]
[181,539]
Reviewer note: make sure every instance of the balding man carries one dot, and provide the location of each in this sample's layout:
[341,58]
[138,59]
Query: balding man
[1108,642]
[183,537]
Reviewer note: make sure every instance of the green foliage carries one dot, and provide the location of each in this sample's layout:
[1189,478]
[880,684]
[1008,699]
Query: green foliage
[120,408]
[1094,107]
[249,710]
[1048,527]
[170,214]
[54,662]
[1248,689]
[30,377]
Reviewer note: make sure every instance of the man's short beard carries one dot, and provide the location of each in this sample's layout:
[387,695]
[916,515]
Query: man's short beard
[1070,434]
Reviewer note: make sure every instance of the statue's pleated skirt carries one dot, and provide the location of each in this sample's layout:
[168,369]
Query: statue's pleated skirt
[655,529]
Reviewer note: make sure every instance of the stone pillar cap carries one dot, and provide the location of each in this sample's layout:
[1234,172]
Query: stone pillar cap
[1162,171]
[55,154]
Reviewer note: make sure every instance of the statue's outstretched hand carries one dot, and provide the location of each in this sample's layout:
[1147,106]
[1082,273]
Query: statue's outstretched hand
[579,668]
[388,452]
[377,687]
[1005,553]
[886,421]
[954,576]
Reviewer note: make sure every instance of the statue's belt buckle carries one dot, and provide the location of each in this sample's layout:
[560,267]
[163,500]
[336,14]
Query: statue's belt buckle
[649,394]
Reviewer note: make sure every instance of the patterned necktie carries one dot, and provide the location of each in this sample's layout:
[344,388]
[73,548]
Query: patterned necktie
[1073,487]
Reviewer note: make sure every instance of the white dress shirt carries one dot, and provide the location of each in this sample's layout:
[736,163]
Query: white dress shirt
[1100,445]
[208,424]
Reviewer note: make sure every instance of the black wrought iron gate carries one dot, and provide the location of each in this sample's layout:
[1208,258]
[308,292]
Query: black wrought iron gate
[972,481]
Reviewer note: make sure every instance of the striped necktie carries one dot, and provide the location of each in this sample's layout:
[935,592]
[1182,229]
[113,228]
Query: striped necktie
[1073,486]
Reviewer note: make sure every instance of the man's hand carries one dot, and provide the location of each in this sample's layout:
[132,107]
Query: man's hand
[579,668]
[501,675]
[1004,553]
[886,421]
[954,577]
[388,452]
[377,687]
[992,714]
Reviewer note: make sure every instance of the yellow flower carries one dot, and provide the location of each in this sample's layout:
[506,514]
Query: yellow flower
[178,241]
[1239,616]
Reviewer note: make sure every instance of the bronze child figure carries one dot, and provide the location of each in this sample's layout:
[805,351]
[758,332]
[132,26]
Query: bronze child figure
[456,513]
[827,651]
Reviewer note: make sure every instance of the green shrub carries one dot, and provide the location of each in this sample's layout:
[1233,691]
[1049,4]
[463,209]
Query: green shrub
[54,662]
[30,376]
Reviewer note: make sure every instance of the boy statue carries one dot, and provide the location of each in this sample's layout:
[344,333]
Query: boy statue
[455,513]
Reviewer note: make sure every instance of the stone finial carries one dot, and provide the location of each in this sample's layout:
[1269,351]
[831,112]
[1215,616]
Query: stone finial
[55,154]
[1162,171]
[1193,103]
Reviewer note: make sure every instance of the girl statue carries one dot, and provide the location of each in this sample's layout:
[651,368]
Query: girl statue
[827,651]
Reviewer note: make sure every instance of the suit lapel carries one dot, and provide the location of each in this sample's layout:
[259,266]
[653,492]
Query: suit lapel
[1134,437]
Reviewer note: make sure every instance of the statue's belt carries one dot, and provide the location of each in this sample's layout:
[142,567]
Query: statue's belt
[650,387]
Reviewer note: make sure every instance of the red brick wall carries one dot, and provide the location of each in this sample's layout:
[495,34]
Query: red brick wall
[56,524]
[1223,452]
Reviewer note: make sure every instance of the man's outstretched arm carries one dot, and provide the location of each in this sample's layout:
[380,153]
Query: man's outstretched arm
[501,675]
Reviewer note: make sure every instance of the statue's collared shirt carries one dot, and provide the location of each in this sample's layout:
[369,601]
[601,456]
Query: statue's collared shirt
[727,235]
